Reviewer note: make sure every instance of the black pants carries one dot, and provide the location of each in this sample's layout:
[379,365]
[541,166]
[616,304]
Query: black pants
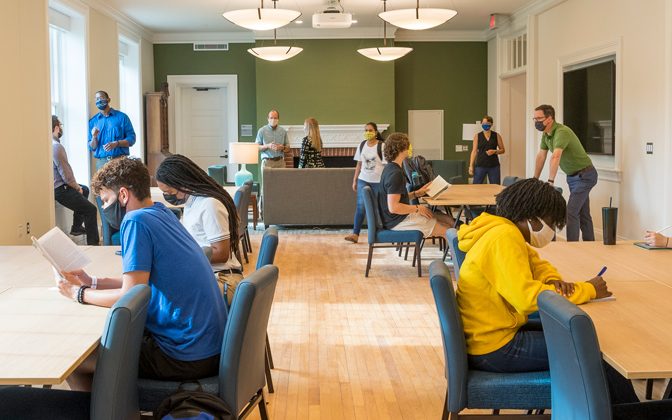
[84,210]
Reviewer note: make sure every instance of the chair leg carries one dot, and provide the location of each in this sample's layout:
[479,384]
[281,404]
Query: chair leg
[668,391]
[247,260]
[406,254]
[268,352]
[415,254]
[263,413]
[418,249]
[368,261]
[267,369]
[400,248]
[649,389]
[247,239]
[444,416]
[445,253]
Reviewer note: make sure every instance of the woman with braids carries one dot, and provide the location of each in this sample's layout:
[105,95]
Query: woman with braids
[502,276]
[210,215]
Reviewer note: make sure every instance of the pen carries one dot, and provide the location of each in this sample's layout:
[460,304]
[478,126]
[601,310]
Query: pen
[602,271]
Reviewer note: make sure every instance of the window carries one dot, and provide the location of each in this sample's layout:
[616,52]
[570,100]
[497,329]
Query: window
[130,98]
[57,76]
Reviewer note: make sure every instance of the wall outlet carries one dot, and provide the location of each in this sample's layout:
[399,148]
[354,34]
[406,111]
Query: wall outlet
[649,148]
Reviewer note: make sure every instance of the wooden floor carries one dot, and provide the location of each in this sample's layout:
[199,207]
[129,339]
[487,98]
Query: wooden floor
[350,347]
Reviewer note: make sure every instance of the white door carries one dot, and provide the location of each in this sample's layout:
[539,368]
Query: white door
[204,128]
[513,126]
[425,130]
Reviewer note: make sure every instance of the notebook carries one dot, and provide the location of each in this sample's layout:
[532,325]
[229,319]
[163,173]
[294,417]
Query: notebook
[437,186]
[647,246]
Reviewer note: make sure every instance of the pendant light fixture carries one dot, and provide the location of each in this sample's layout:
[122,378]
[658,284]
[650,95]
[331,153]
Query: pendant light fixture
[276,52]
[419,18]
[384,53]
[261,19]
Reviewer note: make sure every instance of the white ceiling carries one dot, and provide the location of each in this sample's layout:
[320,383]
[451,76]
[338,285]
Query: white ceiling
[193,16]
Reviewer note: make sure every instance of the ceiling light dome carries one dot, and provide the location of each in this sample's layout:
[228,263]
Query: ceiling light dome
[419,18]
[275,53]
[384,53]
[261,19]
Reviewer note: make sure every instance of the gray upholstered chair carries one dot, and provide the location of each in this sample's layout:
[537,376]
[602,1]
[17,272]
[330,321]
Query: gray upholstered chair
[242,201]
[241,377]
[110,236]
[457,254]
[509,180]
[468,388]
[269,245]
[377,235]
[115,391]
[579,388]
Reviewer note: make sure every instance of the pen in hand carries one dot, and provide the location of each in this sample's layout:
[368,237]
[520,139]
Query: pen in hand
[602,271]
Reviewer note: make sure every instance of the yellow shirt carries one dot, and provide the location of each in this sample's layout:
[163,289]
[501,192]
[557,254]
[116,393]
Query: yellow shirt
[500,280]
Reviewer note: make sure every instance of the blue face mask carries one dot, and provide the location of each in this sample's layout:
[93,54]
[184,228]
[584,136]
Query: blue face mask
[486,127]
[101,104]
[539,125]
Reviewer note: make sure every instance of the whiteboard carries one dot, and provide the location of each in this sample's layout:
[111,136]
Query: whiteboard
[425,130]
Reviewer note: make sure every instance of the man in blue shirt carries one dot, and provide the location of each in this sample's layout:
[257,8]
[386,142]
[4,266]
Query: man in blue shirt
[273,144]
[110,132]
[186,315]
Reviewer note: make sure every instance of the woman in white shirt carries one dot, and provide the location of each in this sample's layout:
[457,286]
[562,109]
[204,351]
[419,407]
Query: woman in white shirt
[210,215]
[370,162]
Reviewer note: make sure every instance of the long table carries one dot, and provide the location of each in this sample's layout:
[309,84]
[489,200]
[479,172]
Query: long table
[634,329]
[43,335]
[464,196]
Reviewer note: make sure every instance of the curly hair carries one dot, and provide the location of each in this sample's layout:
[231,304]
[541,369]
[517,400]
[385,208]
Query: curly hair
[395,144]
[126,172]
[531,198]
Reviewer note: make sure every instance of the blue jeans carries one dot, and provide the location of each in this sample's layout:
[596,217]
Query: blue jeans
[360,212]
[578,205]
[493,174]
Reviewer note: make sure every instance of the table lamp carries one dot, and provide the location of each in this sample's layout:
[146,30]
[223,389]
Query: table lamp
[243,153]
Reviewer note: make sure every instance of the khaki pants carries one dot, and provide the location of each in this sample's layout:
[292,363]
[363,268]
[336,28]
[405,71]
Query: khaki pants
[267,163]
[231,281]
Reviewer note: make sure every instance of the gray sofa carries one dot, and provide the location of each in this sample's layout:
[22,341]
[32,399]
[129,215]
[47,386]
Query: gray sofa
[309,197]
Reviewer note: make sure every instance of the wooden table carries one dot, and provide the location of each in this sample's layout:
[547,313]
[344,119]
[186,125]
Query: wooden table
[633,330]
[43,335]
[466,195]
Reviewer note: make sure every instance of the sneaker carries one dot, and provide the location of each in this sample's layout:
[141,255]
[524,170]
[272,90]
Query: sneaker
[77,231]
[352,238]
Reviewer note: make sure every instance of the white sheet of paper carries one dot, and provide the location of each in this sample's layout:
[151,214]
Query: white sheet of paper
[606,299]
[437,186]
[60,251]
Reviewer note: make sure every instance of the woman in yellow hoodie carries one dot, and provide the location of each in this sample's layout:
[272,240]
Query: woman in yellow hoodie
[502,276]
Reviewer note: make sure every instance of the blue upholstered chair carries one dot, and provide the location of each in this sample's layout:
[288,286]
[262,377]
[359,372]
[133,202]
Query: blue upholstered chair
[218,173]
[509,180]
[241,377]
[115,392]
[379,236]
[457,254]
[242,201]
[110,236]
[469,388]
[269,245]
[579,388]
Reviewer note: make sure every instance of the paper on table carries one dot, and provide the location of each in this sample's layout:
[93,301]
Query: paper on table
[437,186]
[604,299]
[60,251]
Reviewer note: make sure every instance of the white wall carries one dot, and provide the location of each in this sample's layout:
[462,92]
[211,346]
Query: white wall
[27,187]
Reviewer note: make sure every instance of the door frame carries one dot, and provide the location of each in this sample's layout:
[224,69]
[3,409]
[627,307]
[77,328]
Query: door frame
[229,82]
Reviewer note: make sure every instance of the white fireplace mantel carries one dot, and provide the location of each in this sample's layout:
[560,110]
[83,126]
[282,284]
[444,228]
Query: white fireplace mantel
[344,135]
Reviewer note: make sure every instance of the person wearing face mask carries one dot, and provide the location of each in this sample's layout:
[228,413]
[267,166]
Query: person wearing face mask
[110,132]
[370,164]
[487,145]
[569,155]
[210,215]
[69,193]
[273,143]
[186,315]
[502,275]
[311,145]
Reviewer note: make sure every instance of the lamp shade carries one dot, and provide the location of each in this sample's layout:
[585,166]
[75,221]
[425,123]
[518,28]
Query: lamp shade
[243,152]
[261,19]
[275,53]
[384,53]
[417,19]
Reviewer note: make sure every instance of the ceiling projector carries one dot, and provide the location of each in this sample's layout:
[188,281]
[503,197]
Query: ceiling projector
[332,17]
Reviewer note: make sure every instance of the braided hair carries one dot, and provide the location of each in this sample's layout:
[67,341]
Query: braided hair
[184,175]
[531,198]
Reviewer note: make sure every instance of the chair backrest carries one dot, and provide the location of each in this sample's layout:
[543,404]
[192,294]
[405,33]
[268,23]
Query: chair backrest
[241,366]
[579,387]
[373,220]
[108,232]
[455,251]
[218,173]
[509,180]
[458,179]
[242,201]
[269,244]
[115,388]
[452,332]
[207,250]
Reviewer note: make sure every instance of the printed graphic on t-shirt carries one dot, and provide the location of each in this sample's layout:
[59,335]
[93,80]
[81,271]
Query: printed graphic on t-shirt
[369,162]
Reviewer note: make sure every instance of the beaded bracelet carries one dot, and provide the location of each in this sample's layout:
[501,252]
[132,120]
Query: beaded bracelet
[80,294]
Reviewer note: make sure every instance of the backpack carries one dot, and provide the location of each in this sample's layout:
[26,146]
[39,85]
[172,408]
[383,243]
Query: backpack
[422,167]
[193,405]
[379,149]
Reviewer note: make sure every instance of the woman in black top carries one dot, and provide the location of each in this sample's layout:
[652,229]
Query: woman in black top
[311,146]
[487,145]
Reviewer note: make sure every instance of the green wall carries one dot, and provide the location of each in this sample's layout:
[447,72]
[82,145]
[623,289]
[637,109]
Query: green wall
[330,81]
[443,75]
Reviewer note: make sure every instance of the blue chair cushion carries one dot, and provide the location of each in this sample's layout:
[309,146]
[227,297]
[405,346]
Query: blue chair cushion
[387,236]
[524,390]
[115,239]
[152,392]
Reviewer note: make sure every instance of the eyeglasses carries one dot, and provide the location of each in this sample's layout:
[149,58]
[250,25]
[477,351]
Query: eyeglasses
[538,118]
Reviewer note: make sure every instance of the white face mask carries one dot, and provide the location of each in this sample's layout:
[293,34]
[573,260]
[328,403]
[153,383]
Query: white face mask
[540,239]
[273,122]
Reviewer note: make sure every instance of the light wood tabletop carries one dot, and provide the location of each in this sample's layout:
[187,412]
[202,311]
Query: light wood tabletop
[43,335]
[633,330]
[467,195]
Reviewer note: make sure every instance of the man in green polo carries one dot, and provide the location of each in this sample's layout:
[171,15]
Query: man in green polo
[568,154]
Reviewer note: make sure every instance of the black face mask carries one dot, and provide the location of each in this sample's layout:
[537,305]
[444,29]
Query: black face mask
[172,199]
[114,214]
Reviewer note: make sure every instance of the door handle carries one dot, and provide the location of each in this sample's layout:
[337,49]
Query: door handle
[224,156]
